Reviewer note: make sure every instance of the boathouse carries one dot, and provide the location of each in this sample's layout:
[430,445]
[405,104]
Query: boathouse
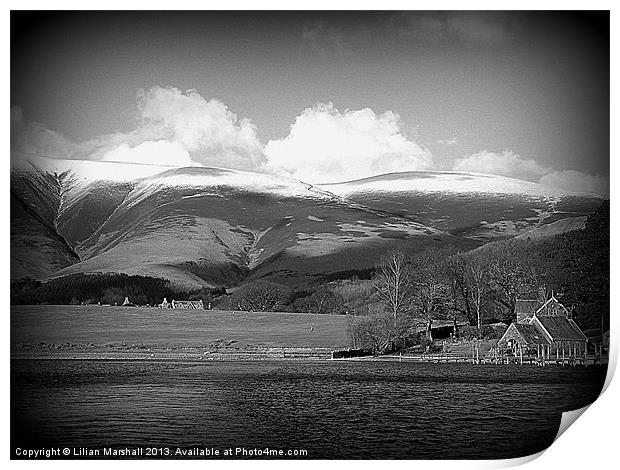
[523,336]
[188,304]
[545,329]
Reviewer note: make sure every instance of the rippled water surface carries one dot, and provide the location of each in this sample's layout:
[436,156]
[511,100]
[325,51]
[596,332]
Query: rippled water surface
[331,409]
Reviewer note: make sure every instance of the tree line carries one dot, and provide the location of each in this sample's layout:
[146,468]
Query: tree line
[103,288]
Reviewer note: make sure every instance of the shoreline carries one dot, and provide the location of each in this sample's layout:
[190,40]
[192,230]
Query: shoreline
[198,355]
[171,353]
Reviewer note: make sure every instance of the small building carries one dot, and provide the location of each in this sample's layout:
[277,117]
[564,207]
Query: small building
[545,330]
[188,304]
[440,329]
[165,304]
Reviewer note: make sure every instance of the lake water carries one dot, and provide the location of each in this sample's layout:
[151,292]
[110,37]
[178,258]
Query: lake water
[332,410]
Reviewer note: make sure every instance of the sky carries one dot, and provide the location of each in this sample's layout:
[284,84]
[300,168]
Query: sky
[320,96]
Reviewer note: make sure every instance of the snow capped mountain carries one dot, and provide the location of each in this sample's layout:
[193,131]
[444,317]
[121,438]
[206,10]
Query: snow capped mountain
[209,226]
[444,182]
[470,205]
[86,171]
[243,181]
[200,226]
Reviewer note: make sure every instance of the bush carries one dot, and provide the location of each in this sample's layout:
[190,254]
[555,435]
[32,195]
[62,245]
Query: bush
[371,332]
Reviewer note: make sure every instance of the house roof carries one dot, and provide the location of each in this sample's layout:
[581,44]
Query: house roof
[527,306]
[561,328]
[551,303]
[530,333]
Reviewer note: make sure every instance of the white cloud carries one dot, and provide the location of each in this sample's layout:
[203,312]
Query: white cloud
[208,130]
[506,163]
[325,145]
[173,129]
[576,181]
[510,164]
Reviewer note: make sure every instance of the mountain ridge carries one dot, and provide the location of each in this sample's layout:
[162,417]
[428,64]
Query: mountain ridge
[199,226]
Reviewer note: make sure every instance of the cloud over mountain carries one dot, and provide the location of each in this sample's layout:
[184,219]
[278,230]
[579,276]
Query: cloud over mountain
[576,181]
[208,130]
[326,145]
[508,163]
[173,128]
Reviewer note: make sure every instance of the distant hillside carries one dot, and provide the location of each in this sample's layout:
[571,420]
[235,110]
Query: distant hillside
[554,228]
[468,205]
[207,227]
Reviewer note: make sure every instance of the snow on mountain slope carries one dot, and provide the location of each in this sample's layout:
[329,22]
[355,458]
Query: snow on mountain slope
[470,205]
[220,179]
[240,180]
[202,226]
[207,226]
[88,170]
[84,172]
[444,182]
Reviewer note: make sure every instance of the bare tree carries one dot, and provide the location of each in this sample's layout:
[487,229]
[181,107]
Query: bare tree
[478,279]
[393,284]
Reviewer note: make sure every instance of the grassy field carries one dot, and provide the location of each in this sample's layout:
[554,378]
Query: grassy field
[116,326]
